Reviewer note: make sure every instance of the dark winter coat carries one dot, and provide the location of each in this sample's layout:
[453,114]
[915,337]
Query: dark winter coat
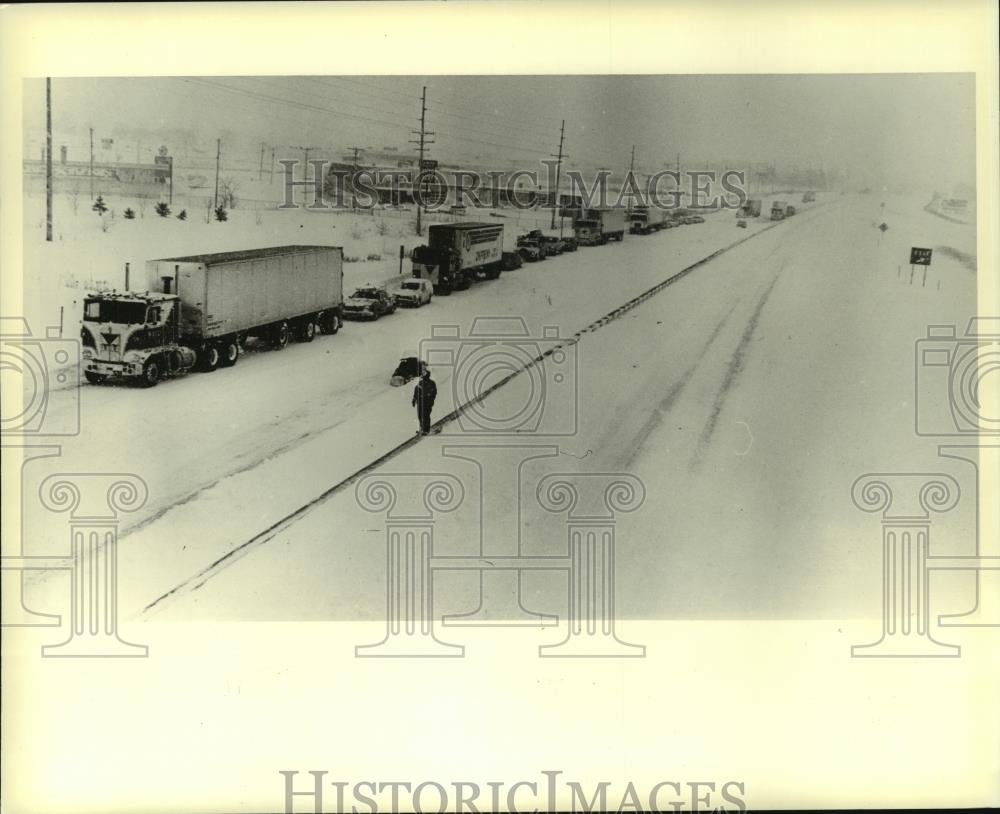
[424,393]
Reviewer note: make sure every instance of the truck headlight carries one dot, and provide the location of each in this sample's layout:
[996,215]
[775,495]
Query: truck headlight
[87,353]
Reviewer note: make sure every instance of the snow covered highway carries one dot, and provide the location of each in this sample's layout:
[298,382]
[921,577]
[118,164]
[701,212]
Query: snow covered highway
[717,392]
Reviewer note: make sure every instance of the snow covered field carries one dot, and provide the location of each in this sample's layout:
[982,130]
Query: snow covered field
[746,396]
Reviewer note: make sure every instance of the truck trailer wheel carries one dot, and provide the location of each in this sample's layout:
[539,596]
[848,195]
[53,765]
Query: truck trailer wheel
[306,331]
[94,378]
[150,373]
[279,335]
[330,322]
[230,353]
[208,358]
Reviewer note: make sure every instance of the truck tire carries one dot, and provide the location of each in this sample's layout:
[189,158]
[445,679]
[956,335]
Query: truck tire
[330,322]
[493,273]
[229,353]
[306,330]
[208,358]
[280,335]
[150,373]
[94,378]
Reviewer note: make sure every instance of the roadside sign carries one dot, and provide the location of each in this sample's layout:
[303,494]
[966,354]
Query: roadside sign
[429,164]
[920,257]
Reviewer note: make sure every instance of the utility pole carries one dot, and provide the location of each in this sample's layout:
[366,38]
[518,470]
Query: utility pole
[559,160]
[356,150]
[218,157]
[631,168]
[48,159]
[305,166]
[423,141]
[260,171]
[272,165]
[91,163]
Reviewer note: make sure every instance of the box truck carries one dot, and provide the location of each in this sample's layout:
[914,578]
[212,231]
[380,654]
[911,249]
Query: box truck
[644,220]
[593,227]
[458,253]
[198,311]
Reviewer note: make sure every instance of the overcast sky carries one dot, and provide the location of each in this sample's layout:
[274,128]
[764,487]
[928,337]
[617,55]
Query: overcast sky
[885,128]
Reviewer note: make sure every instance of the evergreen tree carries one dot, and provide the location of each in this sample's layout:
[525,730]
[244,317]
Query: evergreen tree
[182,215]
[129,213]
[162,209]
[220,214]
[99,206]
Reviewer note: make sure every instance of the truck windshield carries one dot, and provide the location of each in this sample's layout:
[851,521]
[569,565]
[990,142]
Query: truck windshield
[366,294]
[125,312]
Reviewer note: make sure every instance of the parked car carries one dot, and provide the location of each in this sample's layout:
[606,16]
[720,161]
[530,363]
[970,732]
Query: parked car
[409,368]
[510,261]
[570,244]
[414,292]
[530,250]
[697,219]
[742,224]
[369,302]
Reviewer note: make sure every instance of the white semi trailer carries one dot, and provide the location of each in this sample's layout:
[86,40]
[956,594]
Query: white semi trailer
[199,310]
[458,253]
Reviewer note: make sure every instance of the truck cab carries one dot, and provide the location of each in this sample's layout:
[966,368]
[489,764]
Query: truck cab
[128,336]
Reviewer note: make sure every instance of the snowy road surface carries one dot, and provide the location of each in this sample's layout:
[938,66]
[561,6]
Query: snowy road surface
[746,396]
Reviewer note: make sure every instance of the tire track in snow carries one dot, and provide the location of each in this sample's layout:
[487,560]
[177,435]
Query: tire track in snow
[667,402]
[735,367]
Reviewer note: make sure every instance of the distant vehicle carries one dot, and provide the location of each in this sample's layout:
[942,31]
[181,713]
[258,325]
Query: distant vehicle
[595,227]
[789,211]
[750,209]
[369,302]
[409,368]
[644,220]
[742,224]
[550,244]
[198,311]
[510,261]
[458,253]
[778,210]
[809,197]
[414,292]
[697,219]
[531,251]
[570,244]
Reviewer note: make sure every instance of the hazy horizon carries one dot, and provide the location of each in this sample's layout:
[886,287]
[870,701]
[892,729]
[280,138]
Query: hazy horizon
[914,129]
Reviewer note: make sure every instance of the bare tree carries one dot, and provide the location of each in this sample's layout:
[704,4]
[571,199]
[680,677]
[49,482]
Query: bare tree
[74,197]
[227,192]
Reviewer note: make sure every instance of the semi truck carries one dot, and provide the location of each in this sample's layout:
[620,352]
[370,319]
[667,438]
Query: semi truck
[778,210]
[594,227]
[750,209]
[644,220]
[458,253]
[198,311]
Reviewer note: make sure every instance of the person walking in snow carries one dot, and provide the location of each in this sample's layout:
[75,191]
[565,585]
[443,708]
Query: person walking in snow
[423,399]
